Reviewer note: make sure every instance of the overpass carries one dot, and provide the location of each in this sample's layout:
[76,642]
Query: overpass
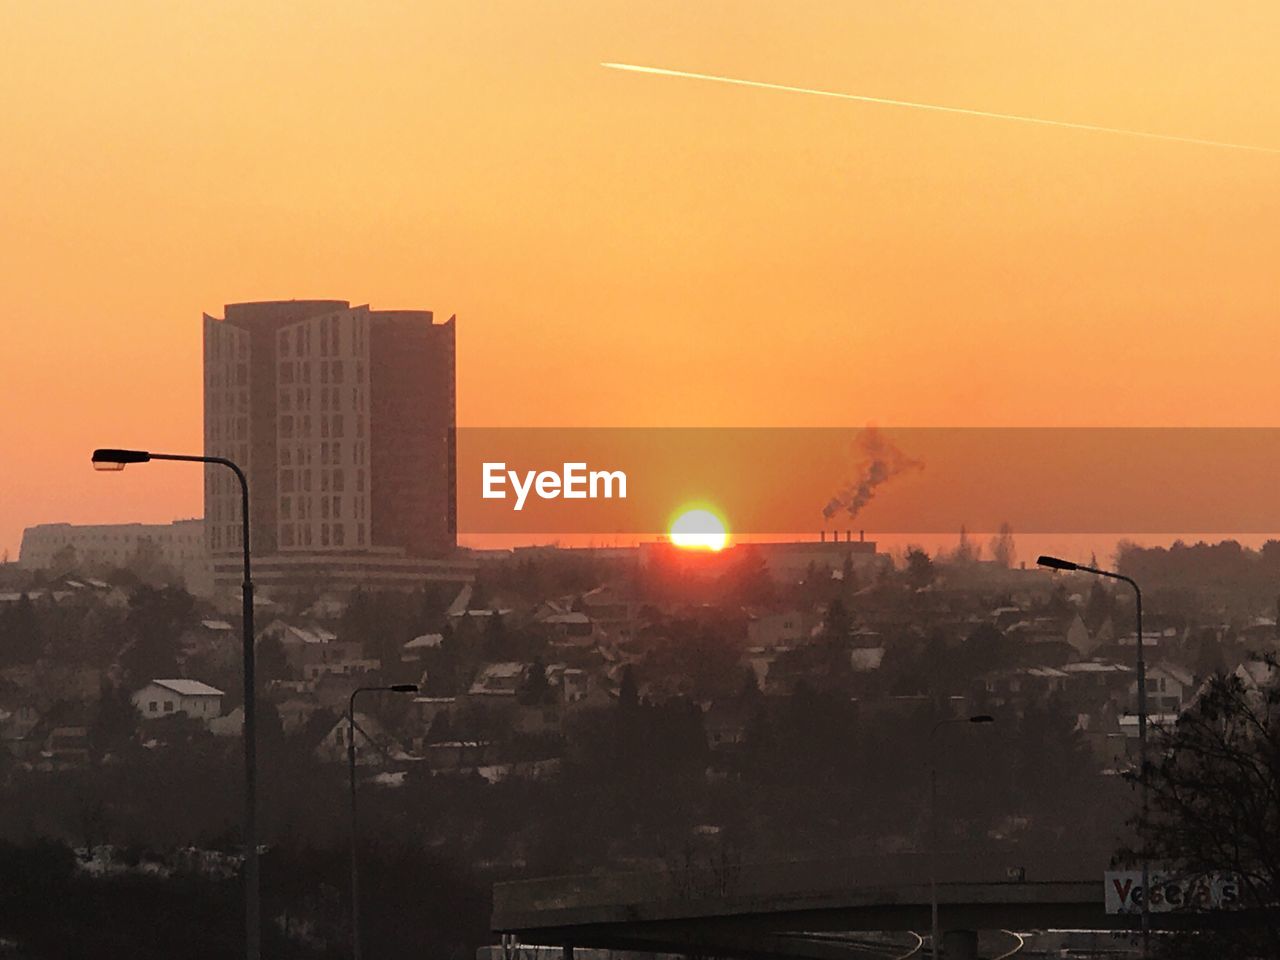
[814,909]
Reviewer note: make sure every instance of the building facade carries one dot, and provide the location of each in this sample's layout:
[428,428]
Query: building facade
[161,698]
[343,420]
[180,545]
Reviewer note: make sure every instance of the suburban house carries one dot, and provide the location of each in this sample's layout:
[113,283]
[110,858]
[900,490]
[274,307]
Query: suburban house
[374,746]
[311,645]
[347,667]
[779,629]
[412,652]
[160,698]
[1169,688]
[498,679]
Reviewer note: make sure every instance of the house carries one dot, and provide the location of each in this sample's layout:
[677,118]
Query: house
[294,711]
[374,746]
[429,708]
[1024,684]
[1169,689]
[866,659]
[610,609]
[344,667]
[458,754]
[779,629]
[210,633]
[160,698]
[308,645]
[498,678]
[413,651]
[1094,683]
[574,685]
[572,629]
[1067,636]
[567,623]
[726,721]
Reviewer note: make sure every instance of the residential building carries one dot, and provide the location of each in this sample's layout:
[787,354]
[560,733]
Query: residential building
[343,420]
[1169,688]
[162,698]
[179,545]
[784,629]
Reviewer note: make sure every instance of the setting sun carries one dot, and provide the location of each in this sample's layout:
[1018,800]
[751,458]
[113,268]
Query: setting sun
[699,530]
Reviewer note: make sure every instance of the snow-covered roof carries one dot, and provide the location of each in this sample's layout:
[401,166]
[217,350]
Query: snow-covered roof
[1095,666]
[460,602]
[505,668]
[427,641]
[189,688]
[571,617]
[864,659]
[311,634]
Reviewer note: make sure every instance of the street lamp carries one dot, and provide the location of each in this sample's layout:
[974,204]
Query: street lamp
[112,459]
[1056,563]
[979,718]
[355,822]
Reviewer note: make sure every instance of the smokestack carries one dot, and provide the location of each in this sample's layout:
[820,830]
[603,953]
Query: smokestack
[862,536]
[822,536]
[848,536]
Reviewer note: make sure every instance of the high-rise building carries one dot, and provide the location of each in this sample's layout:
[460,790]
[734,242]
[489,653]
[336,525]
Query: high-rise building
[343,420]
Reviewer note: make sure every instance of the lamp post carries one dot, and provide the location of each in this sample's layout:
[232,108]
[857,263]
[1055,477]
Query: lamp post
[1056,563]
[980,718]
[355,822]
[112,459]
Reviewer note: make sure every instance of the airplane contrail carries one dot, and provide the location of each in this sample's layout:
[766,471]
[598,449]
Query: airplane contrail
[938,108]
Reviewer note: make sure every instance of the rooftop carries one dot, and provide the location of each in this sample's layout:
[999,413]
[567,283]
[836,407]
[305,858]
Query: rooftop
[189,688]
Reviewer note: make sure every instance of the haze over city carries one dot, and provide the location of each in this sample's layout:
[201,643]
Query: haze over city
[904,268]
[614,481]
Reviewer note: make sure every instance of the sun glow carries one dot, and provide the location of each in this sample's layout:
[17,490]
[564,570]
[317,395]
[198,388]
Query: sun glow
[699,530]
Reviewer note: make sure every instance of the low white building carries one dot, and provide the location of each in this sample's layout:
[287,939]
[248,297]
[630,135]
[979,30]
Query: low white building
[180,544]
[161,698]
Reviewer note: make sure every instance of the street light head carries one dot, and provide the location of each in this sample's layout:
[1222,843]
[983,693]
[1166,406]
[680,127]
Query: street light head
[110,459]
[1057,563]
[404,688]
[982,718]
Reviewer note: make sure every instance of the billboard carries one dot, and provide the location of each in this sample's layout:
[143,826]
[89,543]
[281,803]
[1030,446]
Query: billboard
[1173,892]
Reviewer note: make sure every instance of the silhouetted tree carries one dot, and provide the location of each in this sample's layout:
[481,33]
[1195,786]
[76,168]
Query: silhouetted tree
[920,572]
[534,689]
[628,694]
[1215,804]
[271,661]
[1003,550]
[153,626]
[115,720]
[747,581]
[21,636]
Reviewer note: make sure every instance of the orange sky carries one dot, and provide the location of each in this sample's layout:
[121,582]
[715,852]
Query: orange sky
[623,249]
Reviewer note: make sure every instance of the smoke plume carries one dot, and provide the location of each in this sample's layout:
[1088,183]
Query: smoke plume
[878,460]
